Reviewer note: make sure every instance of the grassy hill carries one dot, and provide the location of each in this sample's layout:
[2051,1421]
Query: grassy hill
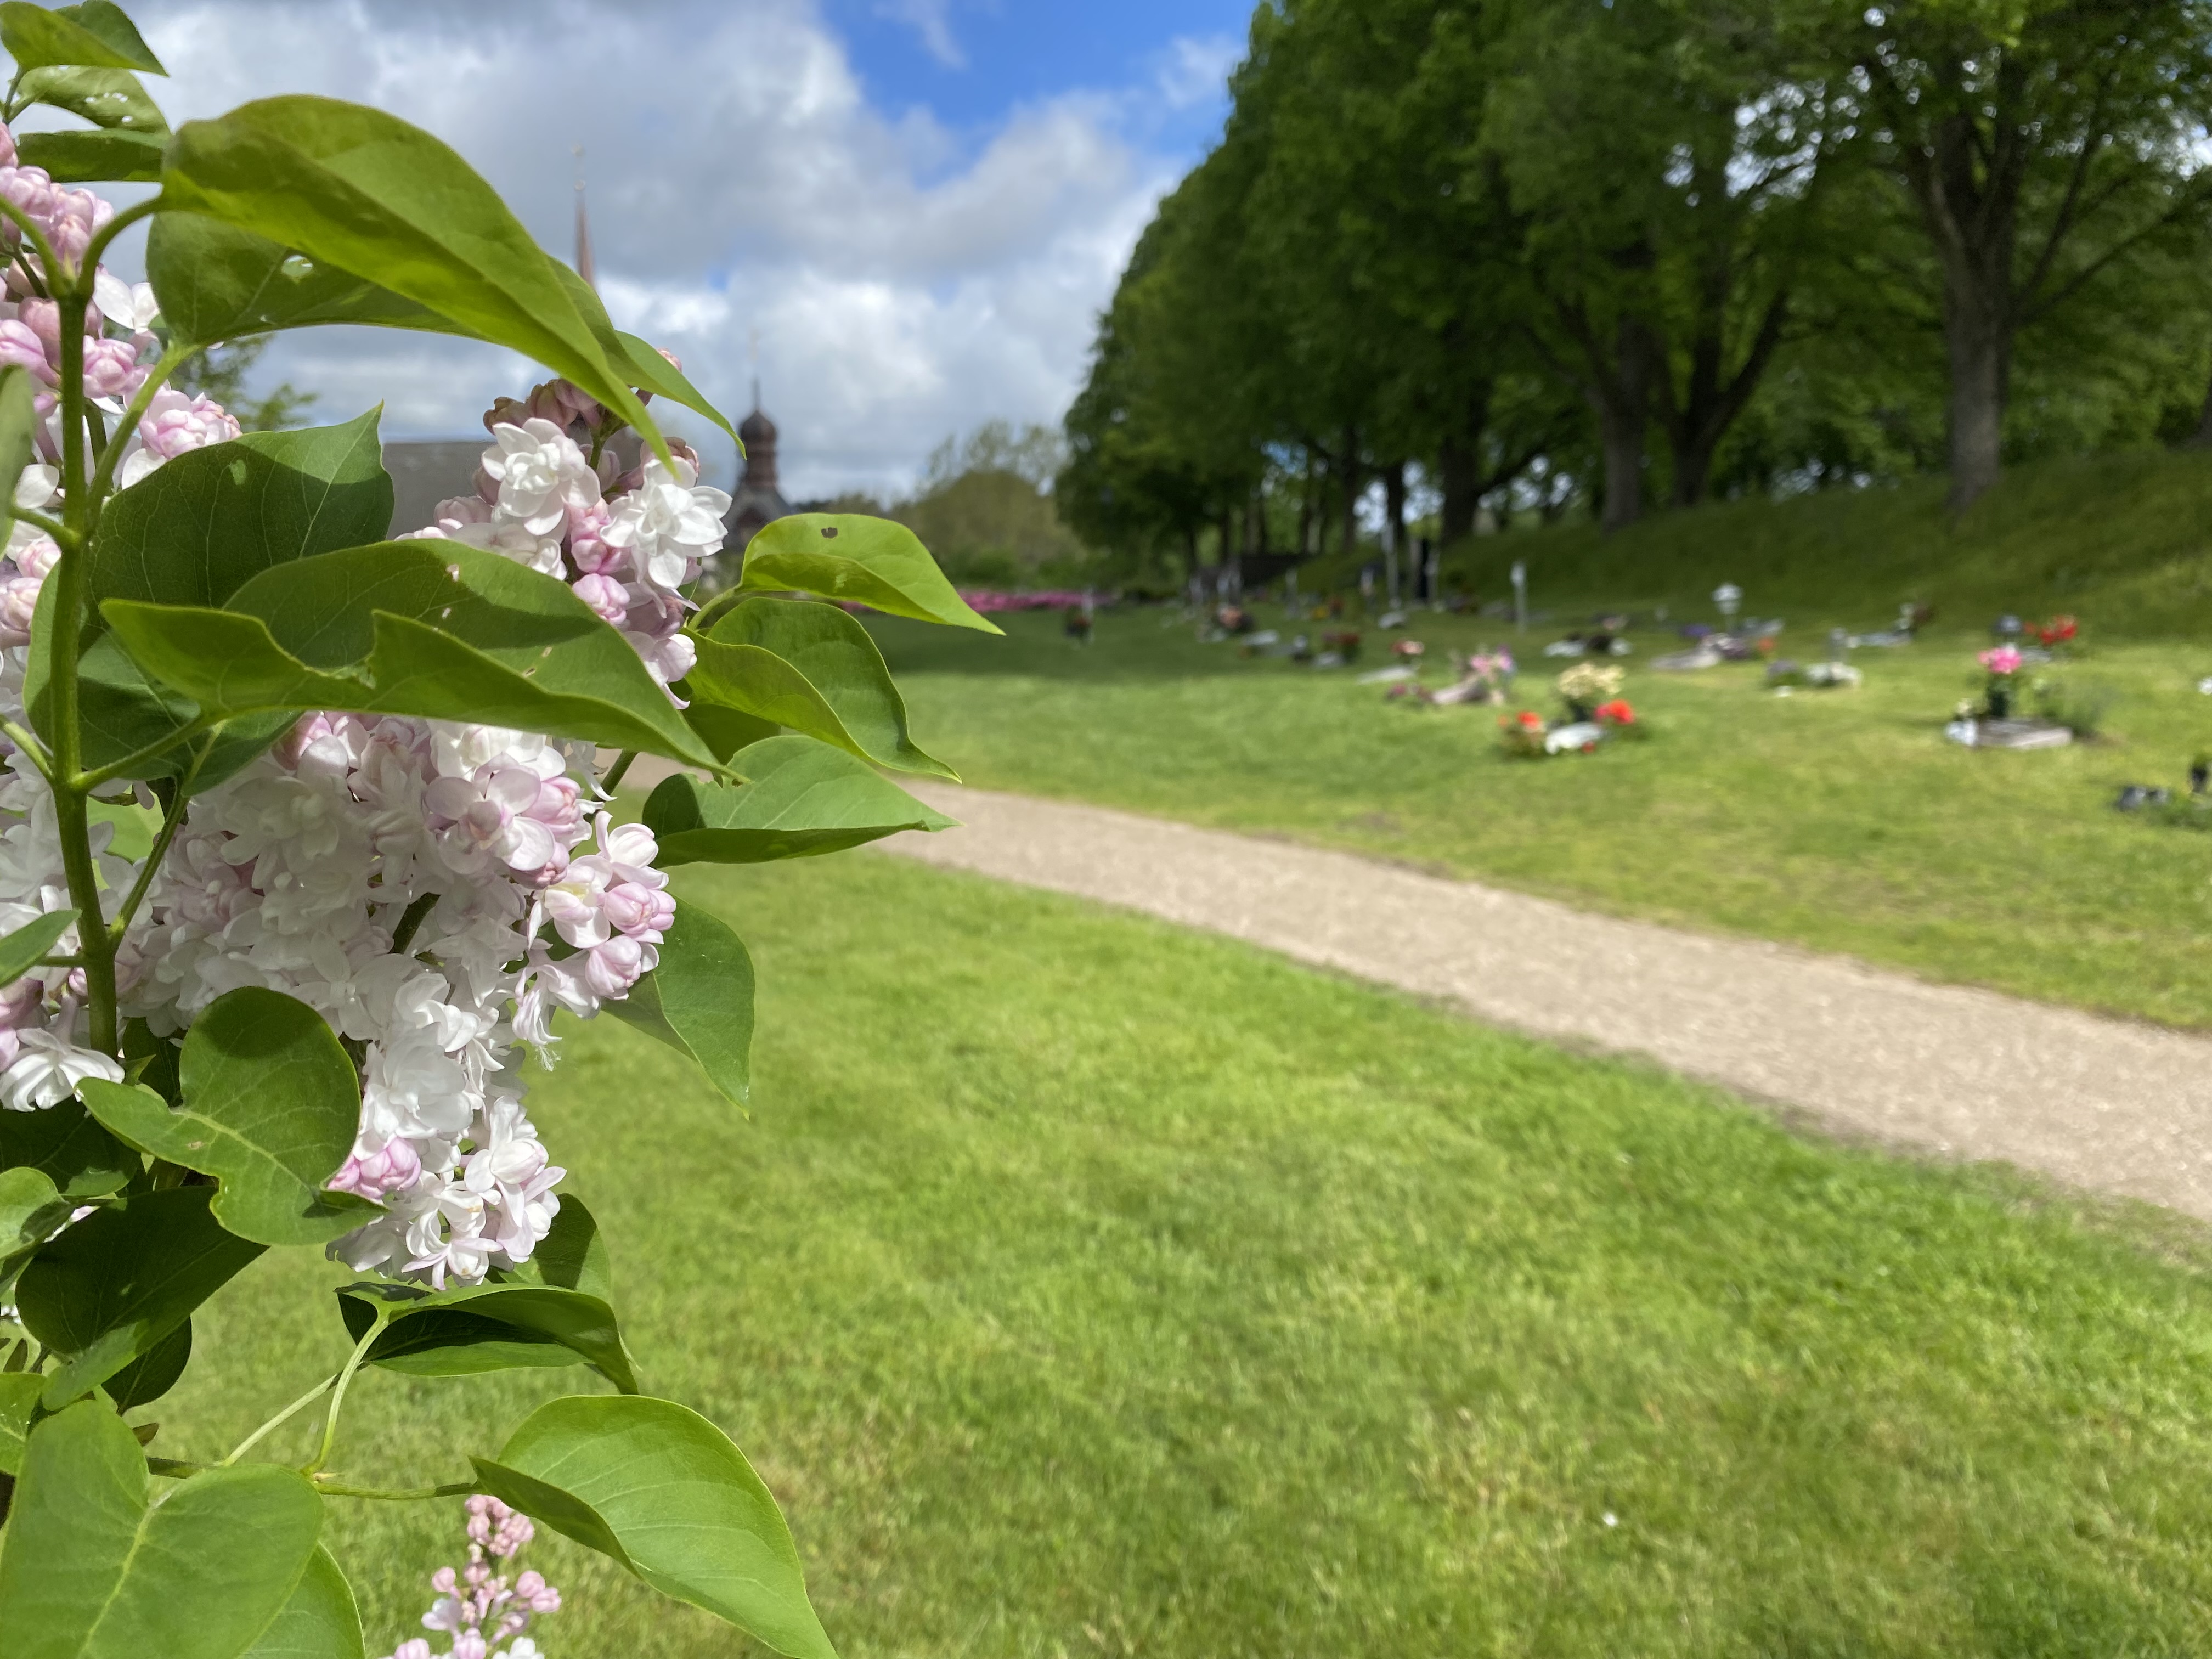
[2123,540]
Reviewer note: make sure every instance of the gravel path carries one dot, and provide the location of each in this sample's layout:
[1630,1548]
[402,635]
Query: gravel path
[2098,1103]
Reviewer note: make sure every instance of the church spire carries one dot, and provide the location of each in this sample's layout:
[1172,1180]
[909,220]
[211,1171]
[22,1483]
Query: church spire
[583,230]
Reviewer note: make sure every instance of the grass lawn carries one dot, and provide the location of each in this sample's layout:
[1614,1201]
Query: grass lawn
[1086,1287]
[1840,820]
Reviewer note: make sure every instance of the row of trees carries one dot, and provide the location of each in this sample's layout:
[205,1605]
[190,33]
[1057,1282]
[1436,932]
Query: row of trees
[1530,252]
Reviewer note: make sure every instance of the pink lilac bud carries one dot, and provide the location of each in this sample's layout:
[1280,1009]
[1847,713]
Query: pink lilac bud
[506,411]
[605,595]
[612,968]
[587,546]
[563,404]
[30,189]
[643,913]
[174,424]
[19,602]
[111,369]
[38,557]
[20,345]
[6,147]
[394,1169]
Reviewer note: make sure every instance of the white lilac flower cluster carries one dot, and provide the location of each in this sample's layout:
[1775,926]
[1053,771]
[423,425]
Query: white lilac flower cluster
[476,1606]
[437,891]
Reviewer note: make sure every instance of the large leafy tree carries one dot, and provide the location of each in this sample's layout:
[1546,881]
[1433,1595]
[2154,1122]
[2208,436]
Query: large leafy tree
[2043,147]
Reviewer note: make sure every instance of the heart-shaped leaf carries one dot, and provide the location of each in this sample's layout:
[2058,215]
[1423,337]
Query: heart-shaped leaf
[725,731]
[699,1001]
[112,99]
[115,1283]
[663,1491]
[197,529]
[75,158]
[353,187]
[95,32]
[814,669]
[468,1330]
[68,1148]
[271,1107]
[31,1208]
[803,798]
[877,562]
[91,1571]
[20,951]
[321,1621]
[19,1399]
[573,1253]
[435,629]
[216,282]
[153,1372]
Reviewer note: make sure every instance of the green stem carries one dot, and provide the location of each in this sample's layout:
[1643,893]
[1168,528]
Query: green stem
[343,1381]
[65,642]
[114,227]
[415,1495]
[49,266]
[281,1418]
[29,743]
[61,532]
[171,359]
[130,763]
[618,770]
[410,921]
[171,819]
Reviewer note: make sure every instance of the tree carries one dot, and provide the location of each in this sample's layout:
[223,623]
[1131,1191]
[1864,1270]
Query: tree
[2041,144]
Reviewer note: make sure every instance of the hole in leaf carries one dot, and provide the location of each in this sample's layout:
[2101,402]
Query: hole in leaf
[828,533]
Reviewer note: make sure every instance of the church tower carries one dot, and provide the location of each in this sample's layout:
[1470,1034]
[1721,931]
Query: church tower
[758,498]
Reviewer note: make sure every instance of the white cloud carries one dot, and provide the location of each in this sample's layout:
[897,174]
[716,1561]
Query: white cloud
[1192,72]
[738,181]
[932,20]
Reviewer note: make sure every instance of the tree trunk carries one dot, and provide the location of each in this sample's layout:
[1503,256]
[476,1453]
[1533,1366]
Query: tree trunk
[1624,411]
[1394,524]
[1978,347]
[1351,481]
[1459,469]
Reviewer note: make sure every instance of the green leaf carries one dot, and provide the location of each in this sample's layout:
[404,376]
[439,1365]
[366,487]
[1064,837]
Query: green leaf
[113,100]
[217,283]
[91,1573]
[472,1329]
[30,1207]
[725,731]
[573,1254]
[650,372]
[75,158]
[814,669]
[20,951]
[19,1398]
[699,1001]
[876,562]
[117,1282]
[198,528]
[663,1491]
[18,426]
[805,799]
[153,1372]
[321,1621]
[355,188]
[271,1107]
[65,1145]
[435,629]
[95,33]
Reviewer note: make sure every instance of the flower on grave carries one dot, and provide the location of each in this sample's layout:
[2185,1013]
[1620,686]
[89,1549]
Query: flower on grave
[2059,630]
[1616,713]
[2002,661]
[1408,648]
[1587,683]
[1530,720]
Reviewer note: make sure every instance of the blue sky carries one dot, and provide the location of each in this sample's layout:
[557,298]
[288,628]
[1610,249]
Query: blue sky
[970,62]
[918,207]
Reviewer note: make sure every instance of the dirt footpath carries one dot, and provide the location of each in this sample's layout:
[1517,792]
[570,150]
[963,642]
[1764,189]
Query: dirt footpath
[2097,1102]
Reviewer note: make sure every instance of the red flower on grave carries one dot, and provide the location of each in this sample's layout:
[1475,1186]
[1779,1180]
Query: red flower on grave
[1616,713]
[2058,631]
[1531,720]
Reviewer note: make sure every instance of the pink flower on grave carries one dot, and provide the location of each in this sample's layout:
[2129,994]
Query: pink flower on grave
[2000,659]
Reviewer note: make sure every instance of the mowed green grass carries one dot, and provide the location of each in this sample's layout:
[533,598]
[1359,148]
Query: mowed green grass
[1084,1286]
[1839,820]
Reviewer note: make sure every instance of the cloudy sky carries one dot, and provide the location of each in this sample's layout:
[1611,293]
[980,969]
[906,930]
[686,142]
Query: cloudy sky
[917,207]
